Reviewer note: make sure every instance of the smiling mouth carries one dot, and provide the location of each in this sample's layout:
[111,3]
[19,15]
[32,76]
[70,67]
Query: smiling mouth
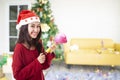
[35,33]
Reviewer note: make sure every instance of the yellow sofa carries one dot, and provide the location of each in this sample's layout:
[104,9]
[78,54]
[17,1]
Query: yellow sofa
[92,51]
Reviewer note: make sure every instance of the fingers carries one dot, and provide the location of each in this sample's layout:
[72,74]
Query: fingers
[41,58]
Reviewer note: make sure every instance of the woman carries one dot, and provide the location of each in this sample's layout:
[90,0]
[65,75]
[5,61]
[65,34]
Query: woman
[29,58]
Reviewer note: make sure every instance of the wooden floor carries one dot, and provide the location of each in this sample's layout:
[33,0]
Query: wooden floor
[3,78]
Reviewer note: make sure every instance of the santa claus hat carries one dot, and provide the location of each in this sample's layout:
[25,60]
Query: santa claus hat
[26,17]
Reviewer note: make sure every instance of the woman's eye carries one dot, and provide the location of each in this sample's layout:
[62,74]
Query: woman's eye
[38,26]
[32,26]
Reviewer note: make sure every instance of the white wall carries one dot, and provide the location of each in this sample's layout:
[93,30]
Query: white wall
[88,18]
[3,29]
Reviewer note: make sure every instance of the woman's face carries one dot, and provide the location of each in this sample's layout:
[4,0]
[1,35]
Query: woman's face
[34,29]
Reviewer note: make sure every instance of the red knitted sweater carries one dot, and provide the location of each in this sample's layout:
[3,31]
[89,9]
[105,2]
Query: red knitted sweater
[25,65]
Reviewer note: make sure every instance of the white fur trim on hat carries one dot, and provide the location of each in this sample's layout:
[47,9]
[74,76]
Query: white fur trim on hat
[27,21]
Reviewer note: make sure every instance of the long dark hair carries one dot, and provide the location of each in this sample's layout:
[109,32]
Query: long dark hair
[24,37]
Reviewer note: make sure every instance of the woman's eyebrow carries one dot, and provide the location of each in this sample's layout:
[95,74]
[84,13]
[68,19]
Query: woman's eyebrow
[32,24]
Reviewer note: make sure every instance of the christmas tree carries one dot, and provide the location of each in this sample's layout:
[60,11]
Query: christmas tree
[48,26]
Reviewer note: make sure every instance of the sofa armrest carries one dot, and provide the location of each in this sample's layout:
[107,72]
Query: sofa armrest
[117,46]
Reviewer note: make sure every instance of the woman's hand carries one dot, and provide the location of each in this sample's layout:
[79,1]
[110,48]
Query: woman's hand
[41,58]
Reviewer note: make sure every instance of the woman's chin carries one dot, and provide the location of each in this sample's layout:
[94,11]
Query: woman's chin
[34,37]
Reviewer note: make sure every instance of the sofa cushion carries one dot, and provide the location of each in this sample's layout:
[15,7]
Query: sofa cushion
[74,47]
[89,51]
[92,43]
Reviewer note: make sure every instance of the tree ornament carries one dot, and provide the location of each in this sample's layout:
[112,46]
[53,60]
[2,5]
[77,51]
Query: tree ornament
[44,1]
[44,27]
[40,14]
[52,19]
[40,1]
[49,15]
[40,9]
[50,42]
[44,16]
[45,35]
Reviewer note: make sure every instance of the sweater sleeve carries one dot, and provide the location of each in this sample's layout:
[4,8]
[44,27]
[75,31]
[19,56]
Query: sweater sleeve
[49,58]
[20,71]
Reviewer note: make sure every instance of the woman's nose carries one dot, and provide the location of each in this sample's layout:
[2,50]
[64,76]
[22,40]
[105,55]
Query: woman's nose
[35,29]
